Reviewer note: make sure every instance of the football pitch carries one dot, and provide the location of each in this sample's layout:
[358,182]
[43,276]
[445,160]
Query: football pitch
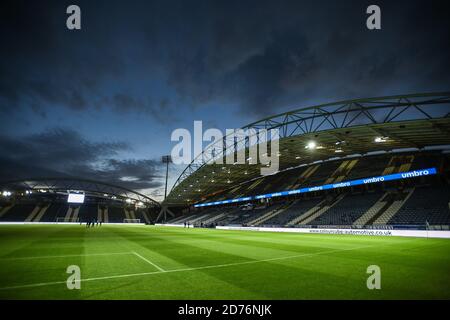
[148,262]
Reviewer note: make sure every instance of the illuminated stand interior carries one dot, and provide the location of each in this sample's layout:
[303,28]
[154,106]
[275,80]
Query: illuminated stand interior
[389,177]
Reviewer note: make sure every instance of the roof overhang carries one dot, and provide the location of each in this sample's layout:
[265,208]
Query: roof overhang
[338,129]
[90,187]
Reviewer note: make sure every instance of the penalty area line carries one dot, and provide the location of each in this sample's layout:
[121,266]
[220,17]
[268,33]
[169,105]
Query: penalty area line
[149,262]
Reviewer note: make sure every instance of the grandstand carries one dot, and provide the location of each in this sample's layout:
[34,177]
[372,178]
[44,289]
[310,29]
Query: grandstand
[46,200]
[414,202]
[355,141]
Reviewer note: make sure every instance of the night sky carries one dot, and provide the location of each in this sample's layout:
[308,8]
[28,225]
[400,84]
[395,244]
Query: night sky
[101,102]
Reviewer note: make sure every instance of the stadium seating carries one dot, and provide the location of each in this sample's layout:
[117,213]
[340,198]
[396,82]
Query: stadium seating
[18,212]
[425,160]
[116,214]
[191,218]
[393,202]
[397,207]
[53,211]
[328,202]
[412,202]
[348,210]
[87,212]
[257,213]
[296,209]
[324,171]
[372,166]
[426,204]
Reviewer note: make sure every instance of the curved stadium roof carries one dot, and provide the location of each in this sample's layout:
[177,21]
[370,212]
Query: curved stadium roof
[91,187]
[339,129]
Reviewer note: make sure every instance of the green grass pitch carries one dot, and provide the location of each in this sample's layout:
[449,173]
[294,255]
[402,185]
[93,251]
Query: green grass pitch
[148,262]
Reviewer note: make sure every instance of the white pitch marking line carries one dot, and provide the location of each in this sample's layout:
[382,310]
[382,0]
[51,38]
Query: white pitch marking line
[149,262]
[65,256]
[182,270]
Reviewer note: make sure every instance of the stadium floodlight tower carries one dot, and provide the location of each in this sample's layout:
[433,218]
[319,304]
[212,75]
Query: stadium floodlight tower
[166,160]
[164,210]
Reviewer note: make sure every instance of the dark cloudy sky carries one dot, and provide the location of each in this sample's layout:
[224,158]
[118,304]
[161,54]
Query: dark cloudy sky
[102,102]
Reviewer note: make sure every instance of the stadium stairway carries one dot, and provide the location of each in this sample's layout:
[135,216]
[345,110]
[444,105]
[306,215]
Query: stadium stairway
[373,166]
[342,171]
[235,191]
[41,213]
[191,218]
[76,211]
[146,218]
[174,220]
[228,218]
[105,214]
[390,167]
[219,216]
[347,170]
[68,214]
[296,209]
[372,211]
[250,215]
[99,214]
[399,164]
[270,214]
[407,163]
[177,219]
[383,209]
[185,217]
[427,204]
[322,210]
[337,172]
[33,213]
[51,213]
[317,211]
[216,217]
[198,219]
[276,182]
[254,184]
[305,175]
[347,210]
[305,214]
[393,209]
[18,212]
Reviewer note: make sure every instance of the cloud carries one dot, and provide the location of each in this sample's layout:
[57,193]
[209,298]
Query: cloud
[63,152]
[260,56]
[162,111]
[264,78]
[57,148]
[299,53]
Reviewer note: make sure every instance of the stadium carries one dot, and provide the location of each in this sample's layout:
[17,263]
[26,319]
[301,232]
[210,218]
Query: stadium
[361,182]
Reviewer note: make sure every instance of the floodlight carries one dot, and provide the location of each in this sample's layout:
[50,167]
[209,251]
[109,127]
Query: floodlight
[312,145]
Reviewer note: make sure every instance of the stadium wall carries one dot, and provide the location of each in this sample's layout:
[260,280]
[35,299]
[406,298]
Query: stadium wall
[171,225]
[362,232]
